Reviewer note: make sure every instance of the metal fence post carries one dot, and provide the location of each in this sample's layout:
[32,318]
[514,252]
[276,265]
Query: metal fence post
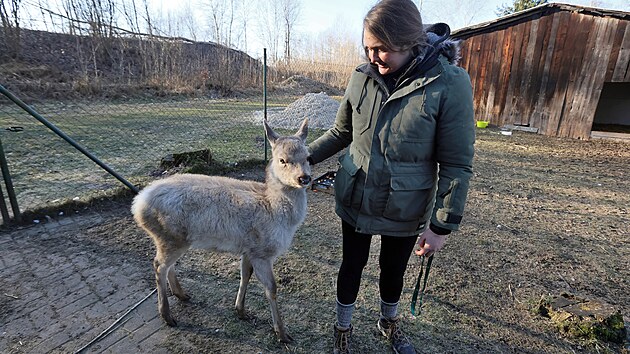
[9,184]
[3,208]
[265,95]
[65,137]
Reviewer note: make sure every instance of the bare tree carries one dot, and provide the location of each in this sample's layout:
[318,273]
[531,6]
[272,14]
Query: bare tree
[130,13]
[10,19]
[147,17]
[335,45]
[223,20]
[290,14]
[244,10]
[216,12]
[269,26]
[189,21]
[229,23]
[9,11]
[99,14]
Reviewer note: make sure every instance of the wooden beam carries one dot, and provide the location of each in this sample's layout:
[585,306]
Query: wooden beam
[622,72]
[614,54]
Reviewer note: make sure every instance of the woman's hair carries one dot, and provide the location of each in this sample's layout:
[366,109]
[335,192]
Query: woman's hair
[397,23]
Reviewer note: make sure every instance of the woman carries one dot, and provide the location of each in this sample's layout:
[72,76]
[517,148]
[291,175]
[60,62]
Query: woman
[407,117]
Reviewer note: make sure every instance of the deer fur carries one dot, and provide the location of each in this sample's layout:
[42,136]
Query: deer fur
[254,220]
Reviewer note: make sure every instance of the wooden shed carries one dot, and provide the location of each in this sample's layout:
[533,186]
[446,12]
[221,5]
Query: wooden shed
[555,69]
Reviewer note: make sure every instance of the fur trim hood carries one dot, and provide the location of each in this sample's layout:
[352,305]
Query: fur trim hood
[438,37]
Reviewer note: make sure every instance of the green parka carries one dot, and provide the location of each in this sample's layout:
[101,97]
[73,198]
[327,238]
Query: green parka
[410,151]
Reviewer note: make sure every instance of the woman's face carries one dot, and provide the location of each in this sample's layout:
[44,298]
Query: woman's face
[388,60]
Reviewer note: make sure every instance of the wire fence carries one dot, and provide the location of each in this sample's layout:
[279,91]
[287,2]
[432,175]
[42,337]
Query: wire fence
[141,139]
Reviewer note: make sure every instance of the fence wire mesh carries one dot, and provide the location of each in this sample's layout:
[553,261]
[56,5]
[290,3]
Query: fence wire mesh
[140,139]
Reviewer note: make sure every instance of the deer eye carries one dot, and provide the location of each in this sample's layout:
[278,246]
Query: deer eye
[283,162]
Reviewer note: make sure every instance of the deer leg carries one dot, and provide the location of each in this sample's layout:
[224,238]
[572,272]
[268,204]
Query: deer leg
[246,274]
[162,264]
[176,288]
[263,268]
[161,271]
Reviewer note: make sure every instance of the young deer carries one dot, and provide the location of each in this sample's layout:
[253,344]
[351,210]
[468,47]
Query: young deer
[254,220]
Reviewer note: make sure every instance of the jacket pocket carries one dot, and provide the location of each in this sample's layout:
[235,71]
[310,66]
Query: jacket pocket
[345,180]
[410,197]
[362,122]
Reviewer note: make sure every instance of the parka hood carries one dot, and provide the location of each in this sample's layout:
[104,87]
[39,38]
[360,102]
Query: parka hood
[438,37]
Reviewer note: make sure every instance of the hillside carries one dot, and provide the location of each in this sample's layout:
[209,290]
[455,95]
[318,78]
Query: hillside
[57,65]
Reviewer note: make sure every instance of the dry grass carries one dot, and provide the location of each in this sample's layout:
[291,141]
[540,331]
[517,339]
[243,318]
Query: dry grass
[61,67]
[544,216]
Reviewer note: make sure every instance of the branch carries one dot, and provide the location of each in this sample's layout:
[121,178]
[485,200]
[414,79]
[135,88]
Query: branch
[119,29]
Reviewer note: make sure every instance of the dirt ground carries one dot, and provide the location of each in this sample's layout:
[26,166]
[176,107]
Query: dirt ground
[544,216]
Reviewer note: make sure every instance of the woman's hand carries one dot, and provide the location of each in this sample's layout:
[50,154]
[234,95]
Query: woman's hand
[429,243]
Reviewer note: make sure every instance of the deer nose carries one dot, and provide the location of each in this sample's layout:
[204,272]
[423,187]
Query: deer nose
[304,180]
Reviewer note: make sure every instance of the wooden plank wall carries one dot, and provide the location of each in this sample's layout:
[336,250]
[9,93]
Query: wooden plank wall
[547,72]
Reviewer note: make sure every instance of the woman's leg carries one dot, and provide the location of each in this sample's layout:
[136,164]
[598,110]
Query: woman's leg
[356,250]
[393,259]
[395,253]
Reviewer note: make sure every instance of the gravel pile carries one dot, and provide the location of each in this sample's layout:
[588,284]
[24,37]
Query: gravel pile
[319,108]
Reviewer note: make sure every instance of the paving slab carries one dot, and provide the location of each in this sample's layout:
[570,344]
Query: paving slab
[60,292]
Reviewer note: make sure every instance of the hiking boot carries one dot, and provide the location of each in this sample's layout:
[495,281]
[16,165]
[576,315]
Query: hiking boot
[390,328]
[342,340]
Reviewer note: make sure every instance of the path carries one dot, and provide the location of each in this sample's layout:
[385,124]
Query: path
[61,290]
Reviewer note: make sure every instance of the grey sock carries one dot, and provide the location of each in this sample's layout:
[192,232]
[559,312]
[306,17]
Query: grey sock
[388,310]
[344,315]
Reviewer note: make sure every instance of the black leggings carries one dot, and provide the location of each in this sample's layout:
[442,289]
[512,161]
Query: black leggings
[393,259]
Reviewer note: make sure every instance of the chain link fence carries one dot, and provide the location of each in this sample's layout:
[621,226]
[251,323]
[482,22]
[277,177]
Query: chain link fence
[140,138]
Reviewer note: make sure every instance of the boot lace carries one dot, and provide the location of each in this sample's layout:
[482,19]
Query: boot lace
[342,341]
[399,341]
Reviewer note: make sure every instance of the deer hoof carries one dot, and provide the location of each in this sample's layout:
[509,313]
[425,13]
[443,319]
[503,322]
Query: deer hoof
[285,338]
[183,297]
[170,321]
[242,314]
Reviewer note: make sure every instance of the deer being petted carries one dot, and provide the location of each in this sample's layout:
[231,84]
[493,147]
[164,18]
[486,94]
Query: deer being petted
[254,220]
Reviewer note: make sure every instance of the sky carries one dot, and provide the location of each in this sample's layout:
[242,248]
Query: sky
[322,15]
[344,17]
[347,15]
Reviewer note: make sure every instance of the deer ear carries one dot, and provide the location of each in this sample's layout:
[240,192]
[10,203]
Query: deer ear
[303,131]
[271,135]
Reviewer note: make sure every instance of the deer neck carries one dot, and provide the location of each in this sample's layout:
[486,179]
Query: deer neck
[287,201]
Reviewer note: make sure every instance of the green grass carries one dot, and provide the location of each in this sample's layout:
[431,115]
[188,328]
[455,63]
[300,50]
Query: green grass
[130,138]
